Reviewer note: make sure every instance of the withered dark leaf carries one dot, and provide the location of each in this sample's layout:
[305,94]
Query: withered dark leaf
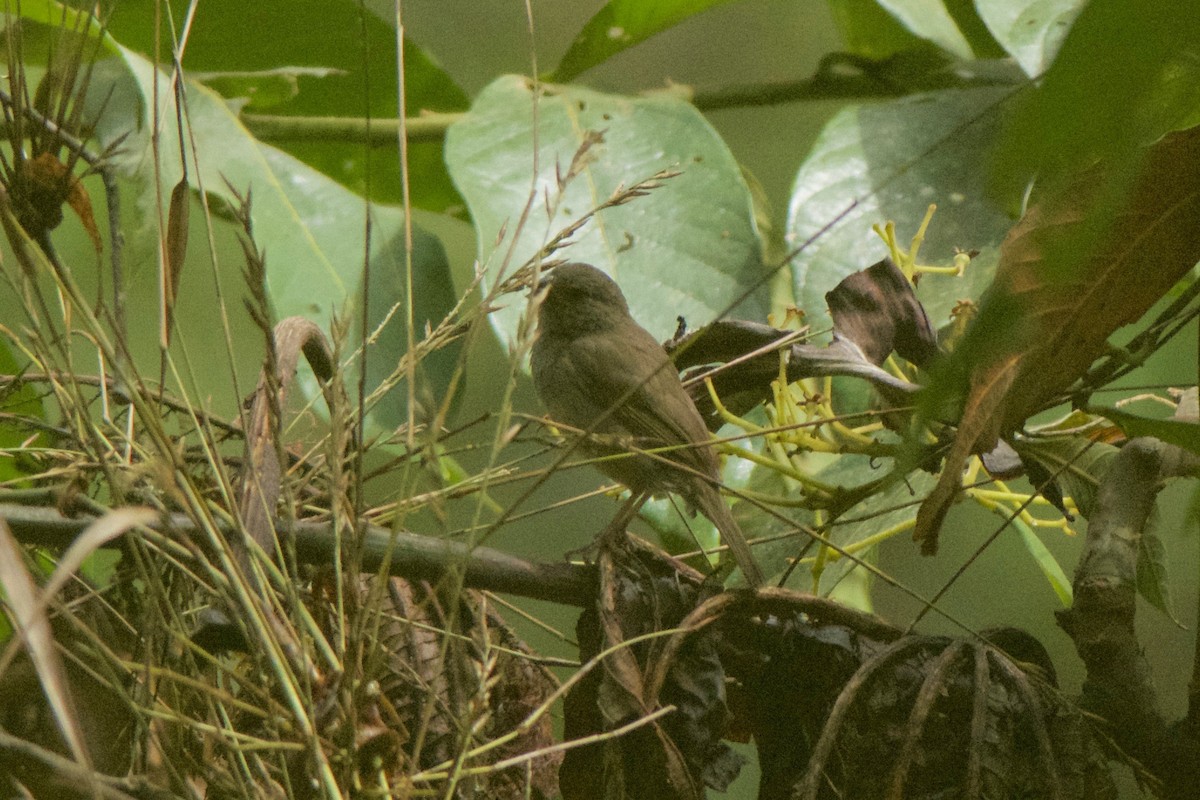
[1046,484]
[877,309]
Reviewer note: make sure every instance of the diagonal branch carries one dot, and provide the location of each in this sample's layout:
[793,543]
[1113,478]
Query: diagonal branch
[409,555]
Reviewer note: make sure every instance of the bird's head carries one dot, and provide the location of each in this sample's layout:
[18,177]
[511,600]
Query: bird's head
[578,298]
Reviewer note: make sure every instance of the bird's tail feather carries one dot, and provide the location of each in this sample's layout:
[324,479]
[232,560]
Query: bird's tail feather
[713,506]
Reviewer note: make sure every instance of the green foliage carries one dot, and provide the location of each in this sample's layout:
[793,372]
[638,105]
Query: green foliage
[1077,464]
[1153,576]
[17,401]
[1045,561]
[643,186]
[1182,433]
[341,60]
[1031,31]
[1126,74]
[313,227]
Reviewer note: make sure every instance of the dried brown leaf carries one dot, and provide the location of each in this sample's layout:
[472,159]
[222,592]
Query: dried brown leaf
[1147,249]
[32,624]
[48,183]
[978,431]
[877,309]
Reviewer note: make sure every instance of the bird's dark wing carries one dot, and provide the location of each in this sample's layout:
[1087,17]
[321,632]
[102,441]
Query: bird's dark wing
[632,375]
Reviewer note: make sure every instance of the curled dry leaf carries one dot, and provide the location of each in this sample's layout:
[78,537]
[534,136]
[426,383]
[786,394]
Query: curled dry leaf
[672,757]
[32,624]
[92,719]
[875,313]
[45,184]
[260,482]
[877,309]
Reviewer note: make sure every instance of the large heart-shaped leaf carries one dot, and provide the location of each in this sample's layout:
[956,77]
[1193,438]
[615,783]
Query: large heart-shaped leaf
[688,249]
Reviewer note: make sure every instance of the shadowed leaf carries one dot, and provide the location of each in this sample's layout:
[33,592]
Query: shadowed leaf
[262,88]
[1153,579]
[619,25]
[1077,465]
[1048,315]
[1030,30]
[315,263]
[1046,562]
[977,433]
[889,160]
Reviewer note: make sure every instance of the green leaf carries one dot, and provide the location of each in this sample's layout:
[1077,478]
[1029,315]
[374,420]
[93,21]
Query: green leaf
[679,534]
[1078,464]
[870,31]
[930,20]
[687,249]
[891,508]
[57,17]
[435,297]
[888,161]
[1153,580]
[888,27]
[619,25]
[356,49]
[310,227]
[1046,562]
[972,26]
[1123,77]
[1172,431]
[1031,31]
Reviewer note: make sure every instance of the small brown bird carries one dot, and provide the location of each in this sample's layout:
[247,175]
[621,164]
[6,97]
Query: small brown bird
[596,369]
